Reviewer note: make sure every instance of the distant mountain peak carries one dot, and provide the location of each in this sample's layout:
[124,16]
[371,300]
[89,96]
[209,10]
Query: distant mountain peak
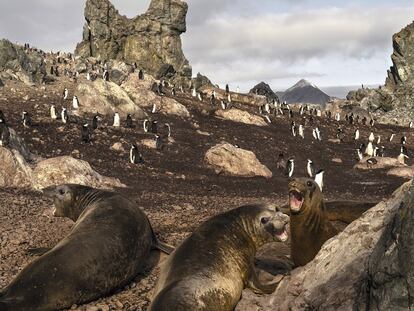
[305,92]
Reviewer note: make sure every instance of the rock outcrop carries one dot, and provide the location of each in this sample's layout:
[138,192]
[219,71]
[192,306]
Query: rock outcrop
[140,93]
[150,40]
[382,163]
[241,116]
[24,65]
[106,98]
[14,170]
[228,159]
[406,172]
[393,103]
[366,267]
[264,90]
[67,170]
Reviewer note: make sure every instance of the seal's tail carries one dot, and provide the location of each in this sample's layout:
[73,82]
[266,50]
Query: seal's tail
[168,249]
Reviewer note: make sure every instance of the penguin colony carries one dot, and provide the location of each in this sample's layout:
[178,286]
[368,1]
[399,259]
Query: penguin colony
[305,131]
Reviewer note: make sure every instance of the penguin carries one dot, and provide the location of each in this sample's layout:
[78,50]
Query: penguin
[88,76]
[223,105]
[134,156]
[128,122]
[376,149]
[318,134]
[391,137]
[199,96]
[268,119]
[27,120]
[371,137]
[337,117]
[318,113]
[229,98]
[154,128]
[64,115]
[168,127]
[369,150]
[403,140]
[372,122]
[158,142]
[290,167]
[411,125]
[364,121]
[291,114]
[4,134]
[65,94]
[357,134]
[2,117]
[301,131]
[117,120]
[141,74]
[315,136]
[95,122]
[267,108]
[378,139]
[359,154]
[340,134]
[319,179]
[173,92]
[227,89]
[404,150]
[75,102]
[194,93]
[53,112]
[154,108]
[401,158]
[160,88]
[85,133]
[281,162]
[105,75]
[301,110]
[146,125]
[381,152]
[293,128]
[310,168]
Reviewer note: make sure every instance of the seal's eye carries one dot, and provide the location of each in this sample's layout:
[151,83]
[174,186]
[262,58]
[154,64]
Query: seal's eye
[61,191]
[309,183]
[264,220]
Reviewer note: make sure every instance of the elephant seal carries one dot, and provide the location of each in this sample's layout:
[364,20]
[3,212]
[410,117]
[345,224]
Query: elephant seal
[104,251]
[209,270]
[310,228]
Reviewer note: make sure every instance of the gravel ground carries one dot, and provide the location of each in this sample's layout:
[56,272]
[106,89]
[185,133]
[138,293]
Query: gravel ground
[174,186]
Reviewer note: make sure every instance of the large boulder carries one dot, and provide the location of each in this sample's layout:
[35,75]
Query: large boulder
[241,116]
[67,170]
[20,64]
[406,172]
[14,170]
[105,98]
[366,267]
[140,92]
[228,159]
[150,40]
[382,163]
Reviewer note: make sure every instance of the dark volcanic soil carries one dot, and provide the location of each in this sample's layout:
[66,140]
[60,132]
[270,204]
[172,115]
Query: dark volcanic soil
[175,187]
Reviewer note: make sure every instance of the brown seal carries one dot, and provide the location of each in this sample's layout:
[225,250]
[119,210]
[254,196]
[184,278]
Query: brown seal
[209,270]
[310,227]
[105,250]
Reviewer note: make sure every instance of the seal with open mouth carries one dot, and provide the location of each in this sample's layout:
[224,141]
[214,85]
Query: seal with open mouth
[107,247]
[209,270]
[310,227]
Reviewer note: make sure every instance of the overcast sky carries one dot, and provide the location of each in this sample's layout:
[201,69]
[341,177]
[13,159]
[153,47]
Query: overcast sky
[243,42]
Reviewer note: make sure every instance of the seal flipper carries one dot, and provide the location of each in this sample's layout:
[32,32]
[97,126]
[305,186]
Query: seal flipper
[39,251]
[257,286]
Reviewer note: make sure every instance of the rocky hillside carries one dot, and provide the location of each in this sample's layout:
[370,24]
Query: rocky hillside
[393,103]
[305,92]
[151,40]
[264,89]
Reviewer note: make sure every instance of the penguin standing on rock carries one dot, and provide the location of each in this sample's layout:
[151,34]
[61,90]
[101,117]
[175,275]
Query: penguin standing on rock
[85,133]
[53,114]
[117,120]
[75,102]
[290,167]
[134,156]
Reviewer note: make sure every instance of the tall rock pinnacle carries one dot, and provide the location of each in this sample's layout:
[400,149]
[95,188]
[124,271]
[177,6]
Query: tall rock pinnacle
[150,40]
